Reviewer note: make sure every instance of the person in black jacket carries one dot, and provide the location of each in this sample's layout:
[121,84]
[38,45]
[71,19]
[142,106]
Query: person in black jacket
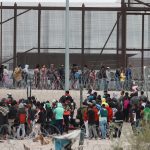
[91,123]
[119,122]
[3,120]
[42,117]
[12,115]
[1,75]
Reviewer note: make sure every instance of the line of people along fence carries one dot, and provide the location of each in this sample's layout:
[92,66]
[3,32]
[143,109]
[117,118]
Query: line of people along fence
[53,78]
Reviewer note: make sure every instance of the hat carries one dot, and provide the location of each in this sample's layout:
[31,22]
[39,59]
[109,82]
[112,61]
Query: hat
[53,100]
[9,94]
[48,105]
[103,100]
[21,105]
[88,95]
[93,101]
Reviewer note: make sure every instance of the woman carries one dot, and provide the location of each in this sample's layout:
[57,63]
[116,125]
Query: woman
[5,77]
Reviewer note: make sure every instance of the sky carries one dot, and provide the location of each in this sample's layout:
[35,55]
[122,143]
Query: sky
[93,1]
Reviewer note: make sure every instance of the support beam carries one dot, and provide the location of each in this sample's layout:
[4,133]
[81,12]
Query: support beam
[82,53]
[39,28]
[83,31]
[15,37]
[67,64]
[123,38]
[140,2]
[13,17]
[103,48]
[1,36]
[142,51]
[17,56]
[80,8]
[129,3]
[117,52]
[63,8]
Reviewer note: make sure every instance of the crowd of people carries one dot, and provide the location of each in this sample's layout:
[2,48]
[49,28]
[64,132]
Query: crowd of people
[95,116]
[19,118]
[98,113]
[43,77]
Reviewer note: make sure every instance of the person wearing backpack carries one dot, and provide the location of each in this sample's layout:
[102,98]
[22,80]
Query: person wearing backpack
[91,122]
[22,121]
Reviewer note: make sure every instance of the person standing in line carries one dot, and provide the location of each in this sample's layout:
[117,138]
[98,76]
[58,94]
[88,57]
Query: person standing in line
[103,114]
[22,120]
[128,79]
[5,77]
[59,112]
[122,79]
[1,75]
[117,79]
[120,100]
[37,76]
[126,107]
[108,78]
[119,122]
[17,74]
[25,74]
[43,73]
[91,123]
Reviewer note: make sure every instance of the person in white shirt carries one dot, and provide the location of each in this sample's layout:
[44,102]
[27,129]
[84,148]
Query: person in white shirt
[5,77]
[108,78]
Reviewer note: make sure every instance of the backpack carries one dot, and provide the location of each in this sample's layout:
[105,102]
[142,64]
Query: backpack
[126,104]
[77,75]
[12,113]
[22,118]
[79,113]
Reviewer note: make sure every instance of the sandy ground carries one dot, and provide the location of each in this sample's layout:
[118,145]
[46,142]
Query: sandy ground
[44,95]
[88,144]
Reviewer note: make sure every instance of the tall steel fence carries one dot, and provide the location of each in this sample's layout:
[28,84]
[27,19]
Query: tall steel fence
[115,36]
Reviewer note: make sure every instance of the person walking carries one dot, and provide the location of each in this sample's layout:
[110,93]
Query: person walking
[122,79]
